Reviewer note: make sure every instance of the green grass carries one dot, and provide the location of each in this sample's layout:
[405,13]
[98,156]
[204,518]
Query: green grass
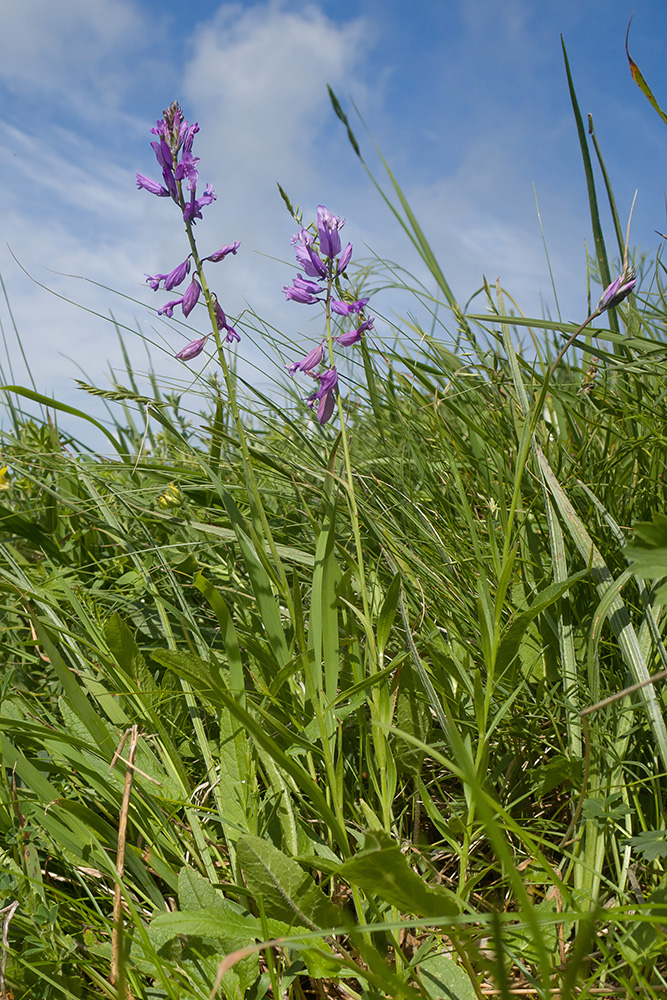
[359,667]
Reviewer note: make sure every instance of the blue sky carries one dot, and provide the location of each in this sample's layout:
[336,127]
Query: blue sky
[467,100]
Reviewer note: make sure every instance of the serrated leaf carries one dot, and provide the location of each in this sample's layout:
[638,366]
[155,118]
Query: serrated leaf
[288,893]
[651,844]
[196,892]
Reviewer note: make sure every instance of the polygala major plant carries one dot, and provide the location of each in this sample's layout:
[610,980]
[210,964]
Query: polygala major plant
[173,151]
[323,261]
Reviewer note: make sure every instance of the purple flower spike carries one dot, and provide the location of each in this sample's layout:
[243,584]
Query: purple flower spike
[193,349]
[191,296]
[223,251]
[311,360]
[618,290]
[344,258]
[150,185]
[327,228]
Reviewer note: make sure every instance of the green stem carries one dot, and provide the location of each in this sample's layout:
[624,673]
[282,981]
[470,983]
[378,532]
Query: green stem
[351,493]
[257,506]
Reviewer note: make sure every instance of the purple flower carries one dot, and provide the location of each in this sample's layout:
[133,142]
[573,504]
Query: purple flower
[188,168]
[172,279]
[325,395]
[193,208]
[154,280]
[221,320]
[163,154]
[191,296]
[311,360]
[328,226]
[303,291]
[193,349]
[306,256]
[178,275]
[619,289]
[152,186]
[345,308]
[188,132]
[344,258]
[168,308]
[223,251]
[354,336]
[220,317]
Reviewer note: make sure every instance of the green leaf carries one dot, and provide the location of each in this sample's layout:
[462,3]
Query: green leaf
[651,844]
[443,979]
[648,555]
[381,869]
[288,893]
[640,81]
[21,527]
[511,641]
[196,892]
[388,612]
[227,632]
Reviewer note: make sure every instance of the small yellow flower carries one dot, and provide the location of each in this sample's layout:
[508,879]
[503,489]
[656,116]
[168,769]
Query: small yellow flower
[4,481]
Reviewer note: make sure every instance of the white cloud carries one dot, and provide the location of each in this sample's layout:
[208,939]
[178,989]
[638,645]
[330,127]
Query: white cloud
[68,49]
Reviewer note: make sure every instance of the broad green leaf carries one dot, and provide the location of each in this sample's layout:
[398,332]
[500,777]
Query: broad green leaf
[443,979]
[288,893]
[381,869]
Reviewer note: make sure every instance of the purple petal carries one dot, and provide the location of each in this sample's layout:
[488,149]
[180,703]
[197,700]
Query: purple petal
[311,360]
[325,409]
[178,275]
[327,228]
[223,252]
[193,349]
[152,186]
[191,296]
[154,280]
[344,258]
[168,308]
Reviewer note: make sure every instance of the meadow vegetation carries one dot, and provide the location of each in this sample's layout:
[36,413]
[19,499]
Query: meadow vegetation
[340,709]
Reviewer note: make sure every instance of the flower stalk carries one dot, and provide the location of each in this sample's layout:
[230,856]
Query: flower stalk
[173,150]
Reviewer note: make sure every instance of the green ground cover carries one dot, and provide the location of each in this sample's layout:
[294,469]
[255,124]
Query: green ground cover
[338,711]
